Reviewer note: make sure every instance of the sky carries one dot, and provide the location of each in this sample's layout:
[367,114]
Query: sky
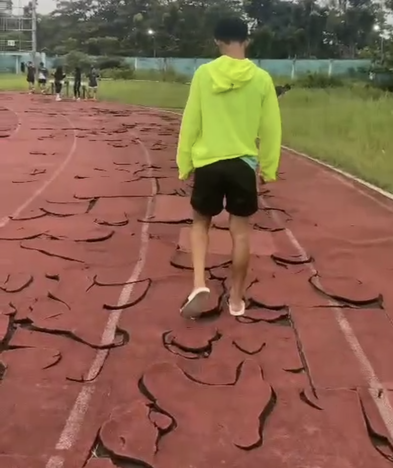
[45,6]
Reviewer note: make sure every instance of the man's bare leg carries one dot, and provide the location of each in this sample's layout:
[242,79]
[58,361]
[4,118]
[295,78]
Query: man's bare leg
[199,245]
[239,228]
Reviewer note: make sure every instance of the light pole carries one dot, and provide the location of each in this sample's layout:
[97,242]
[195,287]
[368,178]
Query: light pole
[34,33]
[151,33]
[377,28]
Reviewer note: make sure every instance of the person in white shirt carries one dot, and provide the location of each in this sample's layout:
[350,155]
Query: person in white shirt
[42,77]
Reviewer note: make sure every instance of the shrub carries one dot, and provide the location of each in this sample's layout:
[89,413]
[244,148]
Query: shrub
[165,73]
[383,78]
[77,59]
[124,73]
[129,73]
[319,80]
[171,75]
[148,75]
[105,63]
[367,91]
[57,62]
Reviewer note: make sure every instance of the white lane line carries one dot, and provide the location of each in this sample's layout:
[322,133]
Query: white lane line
[375,388]
[6,219]
[78,412]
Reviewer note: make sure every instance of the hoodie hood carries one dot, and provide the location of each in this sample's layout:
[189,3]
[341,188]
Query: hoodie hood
[228,73]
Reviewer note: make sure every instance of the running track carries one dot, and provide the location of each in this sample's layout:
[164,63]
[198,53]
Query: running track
[98,370]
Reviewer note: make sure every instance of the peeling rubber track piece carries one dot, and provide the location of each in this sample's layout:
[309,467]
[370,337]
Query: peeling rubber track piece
[131,435]
[141,188]
[245,434]
[4,328]
[17,283]
[100,463]
[119,223]
[171,210]
[182,260]
[347,290]
[51,254]
[23,361]
[146,286]
[254,315]
[291,260]
[71,335]
[34,214]
[191,343]
[306,395]
[376,428]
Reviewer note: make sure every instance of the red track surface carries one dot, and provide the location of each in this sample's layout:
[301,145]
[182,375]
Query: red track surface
[97,367]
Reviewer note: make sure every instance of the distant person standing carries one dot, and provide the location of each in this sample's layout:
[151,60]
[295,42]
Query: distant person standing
[59,76]
[22,67]
[43,77]
[30,78]
[93,77]
[77,83]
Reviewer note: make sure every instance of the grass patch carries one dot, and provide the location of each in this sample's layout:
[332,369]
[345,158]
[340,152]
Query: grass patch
[343,128]
[349,128]
[12,82]
[160,94]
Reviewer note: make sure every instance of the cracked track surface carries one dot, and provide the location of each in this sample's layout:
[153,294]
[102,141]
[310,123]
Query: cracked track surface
[279,387]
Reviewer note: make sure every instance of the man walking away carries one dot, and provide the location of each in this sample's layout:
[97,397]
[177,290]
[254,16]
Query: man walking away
[42,77]
[59,76]
[77,83]
[30,78]
[93,82]
[231,104]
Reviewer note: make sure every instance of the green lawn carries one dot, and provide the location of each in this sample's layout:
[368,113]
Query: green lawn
[345,127]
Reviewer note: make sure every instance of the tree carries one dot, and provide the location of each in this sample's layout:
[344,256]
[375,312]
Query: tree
[183,28]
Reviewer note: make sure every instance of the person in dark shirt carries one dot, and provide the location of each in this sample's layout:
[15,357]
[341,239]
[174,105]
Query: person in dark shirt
[30,78]
[42,77]
[93,78]
[77,83]
[59,76]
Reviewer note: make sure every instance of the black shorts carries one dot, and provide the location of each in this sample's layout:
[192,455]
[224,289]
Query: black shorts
[30,80]
[233,180]
[42,81]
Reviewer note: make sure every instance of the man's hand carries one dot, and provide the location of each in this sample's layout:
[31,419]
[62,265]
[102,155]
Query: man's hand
[185,176]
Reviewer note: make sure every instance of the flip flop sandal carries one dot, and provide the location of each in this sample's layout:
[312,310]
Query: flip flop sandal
[237,313]
[193,307]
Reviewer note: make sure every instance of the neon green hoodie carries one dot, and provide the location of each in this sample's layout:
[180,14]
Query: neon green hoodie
[231,104]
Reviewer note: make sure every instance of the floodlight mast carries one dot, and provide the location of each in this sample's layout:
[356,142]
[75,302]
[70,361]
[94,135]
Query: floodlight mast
[34,33]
